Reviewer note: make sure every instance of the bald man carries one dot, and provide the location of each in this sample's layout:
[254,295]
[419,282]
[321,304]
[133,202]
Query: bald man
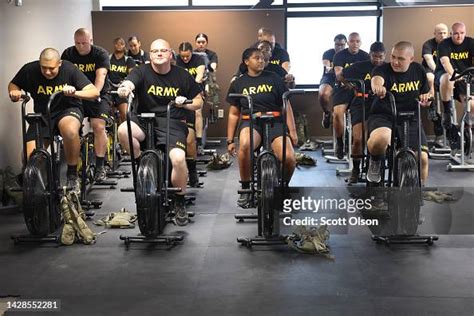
[280,56]
[430,59]
[455,54]
[156,84]
[407,81]
[41,79]
[94,62]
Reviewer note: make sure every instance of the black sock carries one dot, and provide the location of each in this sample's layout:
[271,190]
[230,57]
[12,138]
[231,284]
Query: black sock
[99,162]
[71,171]
[191,163]
[199,141]
[447,107]
[356,163]
[339,140]
[179,199]
[377,157]
[245,184]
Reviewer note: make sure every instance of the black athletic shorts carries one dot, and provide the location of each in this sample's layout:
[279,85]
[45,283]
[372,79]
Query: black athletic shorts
[55,118]
[385,120]
[191,119]
[98,109]
[328,78]
[356,109]
[116,100]
[459,86]
[276,128]
[178,131]
[340,95]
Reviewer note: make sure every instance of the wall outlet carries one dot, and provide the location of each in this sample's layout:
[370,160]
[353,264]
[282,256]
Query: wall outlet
[220,113]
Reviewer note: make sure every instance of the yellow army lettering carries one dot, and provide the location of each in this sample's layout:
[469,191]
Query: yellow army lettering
[461,55]
[259,89]
[163,91]
[49,90]
[192,71]
[405,86]
[367,76]
[122,69]
[276,61]
[86,67]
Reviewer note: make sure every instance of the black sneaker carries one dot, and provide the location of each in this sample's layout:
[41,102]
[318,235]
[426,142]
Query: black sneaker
[74,184]
[100,175]
[244,200]
[193,179]
[181,217]
[373,172]
[326,122]
[339,149]
[354,178]
[454,137]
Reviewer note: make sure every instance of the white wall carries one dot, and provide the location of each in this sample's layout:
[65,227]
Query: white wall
[24,32]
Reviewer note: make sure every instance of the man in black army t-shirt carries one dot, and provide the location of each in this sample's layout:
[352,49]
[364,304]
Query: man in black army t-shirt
[430,58]
[455,54]
[195,65]
[120,67]
[94,62]
[341,96]
[136,53]
[280,56]
[326,85]
[407,81]
[156,84]
[41,79]
[362,70]
[266,89]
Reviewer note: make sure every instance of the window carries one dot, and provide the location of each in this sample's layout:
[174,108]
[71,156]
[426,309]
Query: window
[309,37]
[142,3]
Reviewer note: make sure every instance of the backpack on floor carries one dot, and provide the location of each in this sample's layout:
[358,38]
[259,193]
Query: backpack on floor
[75,227]
[313,240]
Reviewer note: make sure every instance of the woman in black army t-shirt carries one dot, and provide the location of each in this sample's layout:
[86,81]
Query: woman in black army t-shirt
[266,90]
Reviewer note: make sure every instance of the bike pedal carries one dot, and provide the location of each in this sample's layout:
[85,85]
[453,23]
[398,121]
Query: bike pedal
[128,189]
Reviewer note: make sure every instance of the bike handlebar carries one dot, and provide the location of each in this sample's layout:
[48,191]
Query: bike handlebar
[50,101]
[468,73]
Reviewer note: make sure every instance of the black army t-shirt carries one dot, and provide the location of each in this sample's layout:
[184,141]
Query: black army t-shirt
[361,70]
[155,90]
[460,56]
[266,91]
[279,56]
[430,47]
[406,87]
[119,68]
[211,56]
[329,55]
[30,79]
[279,70]
[192,65]
[88,64]
[344,58]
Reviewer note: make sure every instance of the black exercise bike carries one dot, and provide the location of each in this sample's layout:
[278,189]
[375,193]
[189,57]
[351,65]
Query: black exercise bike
[404,174]
[41,182]
[270,185]
[151,183]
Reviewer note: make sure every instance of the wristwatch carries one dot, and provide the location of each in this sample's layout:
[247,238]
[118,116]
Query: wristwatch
[230,142]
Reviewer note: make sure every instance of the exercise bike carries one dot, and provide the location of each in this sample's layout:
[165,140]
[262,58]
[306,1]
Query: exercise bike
[270,185]
[465,138]
[404,177]
[41,184]
[151,183]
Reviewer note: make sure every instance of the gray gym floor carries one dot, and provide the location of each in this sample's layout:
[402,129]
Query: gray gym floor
[210,274]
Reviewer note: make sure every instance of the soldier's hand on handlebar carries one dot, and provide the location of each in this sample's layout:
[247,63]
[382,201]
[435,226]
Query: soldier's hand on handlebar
[379,91]
[15,95]
[179,101]
[69,91]
[425,99]
[123,91]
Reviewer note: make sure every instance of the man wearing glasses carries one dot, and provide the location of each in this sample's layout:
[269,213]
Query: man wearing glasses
[156,84]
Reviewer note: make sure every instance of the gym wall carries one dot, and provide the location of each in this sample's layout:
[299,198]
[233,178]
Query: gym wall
[229,32]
